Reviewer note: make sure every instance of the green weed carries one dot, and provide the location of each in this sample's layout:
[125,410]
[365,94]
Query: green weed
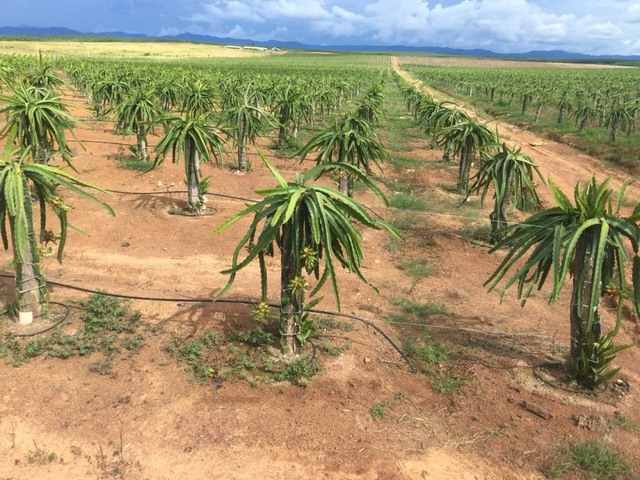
[257,336]
[378,411]
[447,382]
[418,268]
[298,370]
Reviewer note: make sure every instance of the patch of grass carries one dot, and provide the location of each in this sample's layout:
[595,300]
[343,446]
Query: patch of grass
[35,348]
[210,339]
[422,310]
[431,353]
[398,187]
[448,187]
[9,344]
[447,382]
[102,367]
[404,223]
[330,323]
[131,162]
[333,349]
[173,210]
[134,344]
[477,233]
[299,370]
[407,201]
[107,314]
[40,456]
[593,460]
[428,240]
[418,268]
[403,161]
[257,336]
[393,244]
[625,423]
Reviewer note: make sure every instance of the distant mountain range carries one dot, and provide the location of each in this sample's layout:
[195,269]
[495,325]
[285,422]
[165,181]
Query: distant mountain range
[191,37]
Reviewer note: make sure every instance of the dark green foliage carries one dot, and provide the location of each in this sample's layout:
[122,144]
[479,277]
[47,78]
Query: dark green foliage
[108,314]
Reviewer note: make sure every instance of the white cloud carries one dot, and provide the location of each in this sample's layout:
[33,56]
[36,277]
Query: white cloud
[259,11]
[633,13]
[500,25]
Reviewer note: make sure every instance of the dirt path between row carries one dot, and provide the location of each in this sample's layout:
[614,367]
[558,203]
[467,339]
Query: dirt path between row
[566,165]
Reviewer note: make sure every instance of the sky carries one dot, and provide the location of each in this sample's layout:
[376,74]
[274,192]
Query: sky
[504,26]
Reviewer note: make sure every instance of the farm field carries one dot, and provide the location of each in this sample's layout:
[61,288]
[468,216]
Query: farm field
[590,107]
[186,390]
[126,49]
[460,61]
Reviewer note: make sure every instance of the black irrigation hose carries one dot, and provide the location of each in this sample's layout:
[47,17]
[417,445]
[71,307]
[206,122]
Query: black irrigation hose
[241,199]
[368,323]
[103,142]
[168,192]
[153,146]
[64,317]
[231,301]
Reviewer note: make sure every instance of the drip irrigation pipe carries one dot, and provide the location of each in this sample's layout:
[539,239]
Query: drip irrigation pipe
[169,192]
[64,317]
[76,140]
[222,195]
[230,301]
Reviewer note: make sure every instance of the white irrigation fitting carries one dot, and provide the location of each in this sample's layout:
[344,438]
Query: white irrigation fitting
[25,318]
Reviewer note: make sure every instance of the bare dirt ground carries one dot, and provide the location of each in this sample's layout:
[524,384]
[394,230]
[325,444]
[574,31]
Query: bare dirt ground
[148,422]
[491,62]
